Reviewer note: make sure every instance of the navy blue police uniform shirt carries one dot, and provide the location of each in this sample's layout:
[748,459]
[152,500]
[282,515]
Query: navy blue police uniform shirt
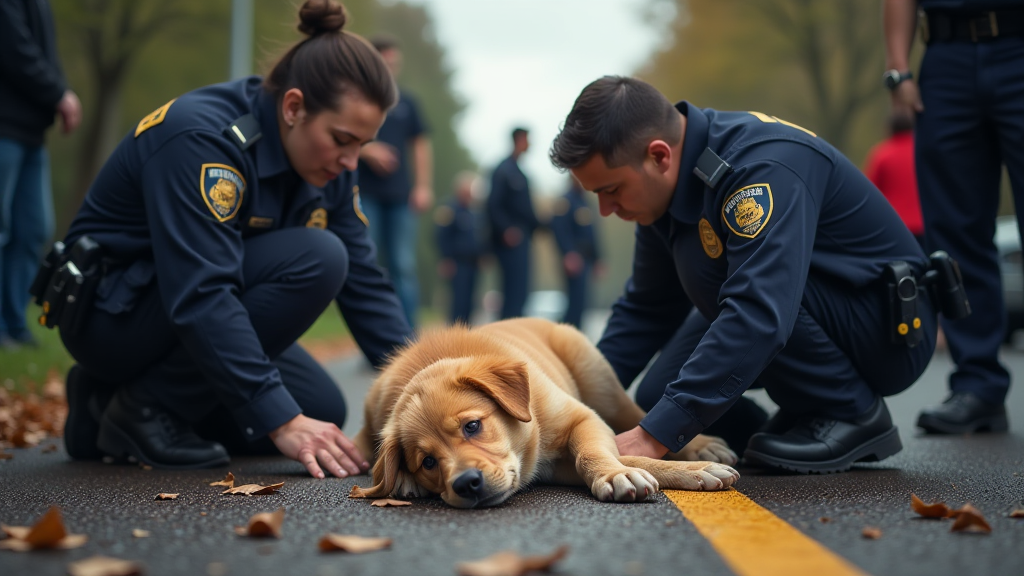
[741,254]
[573,224]
[403,124]
[458,232]
[174,204]
[509,204]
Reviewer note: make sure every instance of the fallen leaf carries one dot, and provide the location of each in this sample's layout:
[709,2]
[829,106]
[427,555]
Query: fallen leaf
[352,544]
[140,533]
[933,510]
[263,525]
[49,449]
[969,519]
[1018,513]
[389,502]
[871,533]
[104,566]
[165,496]
[228,481]
[824,519]
[509,563]
[48,532]
[254,489]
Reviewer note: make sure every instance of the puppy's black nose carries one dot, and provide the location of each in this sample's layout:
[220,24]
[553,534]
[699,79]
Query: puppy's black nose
[469,484]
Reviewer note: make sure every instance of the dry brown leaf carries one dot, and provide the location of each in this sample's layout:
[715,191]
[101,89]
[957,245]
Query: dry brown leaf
[165,496]
[140,533]
[1017,513]
[509,563]
[969,519]
[352,544]
[228,481]
[389,502]
[104,566]
[933,510]
[263,525]
[824,519]
[48,532]
[871,533]
[254,489]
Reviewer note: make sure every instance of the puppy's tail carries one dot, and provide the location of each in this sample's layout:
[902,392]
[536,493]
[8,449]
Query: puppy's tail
[685,475]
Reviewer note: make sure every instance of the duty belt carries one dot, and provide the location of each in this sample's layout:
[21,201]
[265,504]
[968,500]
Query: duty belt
[972,27]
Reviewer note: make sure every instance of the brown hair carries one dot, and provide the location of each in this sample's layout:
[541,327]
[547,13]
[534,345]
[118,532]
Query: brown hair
[330,63]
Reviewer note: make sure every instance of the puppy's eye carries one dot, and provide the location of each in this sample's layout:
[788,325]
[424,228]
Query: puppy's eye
[472,427]
[429,462]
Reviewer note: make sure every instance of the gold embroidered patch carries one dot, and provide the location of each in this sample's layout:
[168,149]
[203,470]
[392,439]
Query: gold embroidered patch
[746,211]
[260,222]
[708,239]
[318,219]
[153,118]
[358,207]
[223,189]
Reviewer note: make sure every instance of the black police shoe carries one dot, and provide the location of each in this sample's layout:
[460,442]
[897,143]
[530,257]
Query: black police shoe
[82,426]
[962,413]
[146,432]
[780,423]
[822,445]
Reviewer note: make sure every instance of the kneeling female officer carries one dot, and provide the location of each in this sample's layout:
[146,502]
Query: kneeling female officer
[228,220]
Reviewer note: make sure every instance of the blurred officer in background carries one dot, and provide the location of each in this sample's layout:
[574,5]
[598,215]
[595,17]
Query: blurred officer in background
[512,221]
[217,232]
[763,256]
[391,201]
[32,91]
[574,224]
[970,122]
[459,231]
[890,167]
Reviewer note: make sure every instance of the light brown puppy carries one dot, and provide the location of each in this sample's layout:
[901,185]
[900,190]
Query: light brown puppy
[476,414]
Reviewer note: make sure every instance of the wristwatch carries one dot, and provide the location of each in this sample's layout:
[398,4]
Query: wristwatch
[892,78]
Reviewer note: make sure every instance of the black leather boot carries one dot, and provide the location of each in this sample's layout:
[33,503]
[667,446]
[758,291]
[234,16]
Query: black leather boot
[963,413]
[822,445]
[82,426]
[137,427]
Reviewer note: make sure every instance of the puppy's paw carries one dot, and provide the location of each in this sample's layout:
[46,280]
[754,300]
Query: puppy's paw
[711,476]
[625,485]
[708,449]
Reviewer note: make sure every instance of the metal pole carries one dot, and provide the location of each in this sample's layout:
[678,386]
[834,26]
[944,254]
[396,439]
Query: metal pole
[241,38]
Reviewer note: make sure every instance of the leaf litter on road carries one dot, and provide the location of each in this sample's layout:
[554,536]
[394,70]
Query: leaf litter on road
[228,481]
[969,519]
[48,532]
[263,525]
[352,544]
[104,566]
[508,563]
[384,502]
[166,496]
[254,489]
[933,510]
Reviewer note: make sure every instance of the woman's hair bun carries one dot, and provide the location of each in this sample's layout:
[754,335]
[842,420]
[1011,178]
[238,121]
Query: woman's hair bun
[321,16]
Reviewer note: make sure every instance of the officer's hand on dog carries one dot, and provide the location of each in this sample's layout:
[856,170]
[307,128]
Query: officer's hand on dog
[637,442]
[318,446]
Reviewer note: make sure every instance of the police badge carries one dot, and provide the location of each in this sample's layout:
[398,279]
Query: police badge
[222,187]
[746,211]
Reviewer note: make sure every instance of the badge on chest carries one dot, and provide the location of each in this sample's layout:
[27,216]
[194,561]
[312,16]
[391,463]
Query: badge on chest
[708,239]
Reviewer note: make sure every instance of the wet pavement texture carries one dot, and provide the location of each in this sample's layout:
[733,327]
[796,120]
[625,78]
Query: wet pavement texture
[195,533]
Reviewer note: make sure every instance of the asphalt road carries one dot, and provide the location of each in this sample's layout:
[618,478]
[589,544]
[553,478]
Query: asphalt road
[194,534]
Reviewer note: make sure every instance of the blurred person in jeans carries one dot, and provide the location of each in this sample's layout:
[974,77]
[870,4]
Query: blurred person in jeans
[32,91]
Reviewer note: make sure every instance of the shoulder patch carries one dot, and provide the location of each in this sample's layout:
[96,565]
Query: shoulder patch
[318,219]
[358,206]
[709,240]
[747,210]
[153,118]
[222,187]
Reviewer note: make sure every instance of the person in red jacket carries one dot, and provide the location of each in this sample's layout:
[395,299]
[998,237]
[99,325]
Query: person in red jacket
[890,167]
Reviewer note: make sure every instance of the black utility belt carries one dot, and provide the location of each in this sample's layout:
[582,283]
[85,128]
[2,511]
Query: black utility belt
[66,282]
[972,27]
[942,282]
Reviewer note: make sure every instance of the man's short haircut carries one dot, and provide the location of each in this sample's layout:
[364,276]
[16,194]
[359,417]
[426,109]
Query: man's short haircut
[616,117]
[383,42]
[519,131]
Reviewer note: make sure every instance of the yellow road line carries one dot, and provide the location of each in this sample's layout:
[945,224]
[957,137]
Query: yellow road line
[752,540]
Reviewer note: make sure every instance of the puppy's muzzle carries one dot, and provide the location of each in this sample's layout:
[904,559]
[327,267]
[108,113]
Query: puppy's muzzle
[469,484]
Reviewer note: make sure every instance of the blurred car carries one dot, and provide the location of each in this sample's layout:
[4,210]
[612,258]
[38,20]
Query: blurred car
[1011,267]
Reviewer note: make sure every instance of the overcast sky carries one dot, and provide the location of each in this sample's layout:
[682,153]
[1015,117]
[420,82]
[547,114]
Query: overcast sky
[523,62]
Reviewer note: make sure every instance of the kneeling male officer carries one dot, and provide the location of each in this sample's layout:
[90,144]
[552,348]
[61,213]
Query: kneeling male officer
[761,259]
[216,233]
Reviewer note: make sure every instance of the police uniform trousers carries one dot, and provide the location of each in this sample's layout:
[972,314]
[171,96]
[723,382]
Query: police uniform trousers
[463,286]
[837,361]
[290,277]
[973,122]
[515,277]
[576,291]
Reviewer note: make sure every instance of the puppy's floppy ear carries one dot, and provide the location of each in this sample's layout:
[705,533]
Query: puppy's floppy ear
[505,381]
[385,470]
